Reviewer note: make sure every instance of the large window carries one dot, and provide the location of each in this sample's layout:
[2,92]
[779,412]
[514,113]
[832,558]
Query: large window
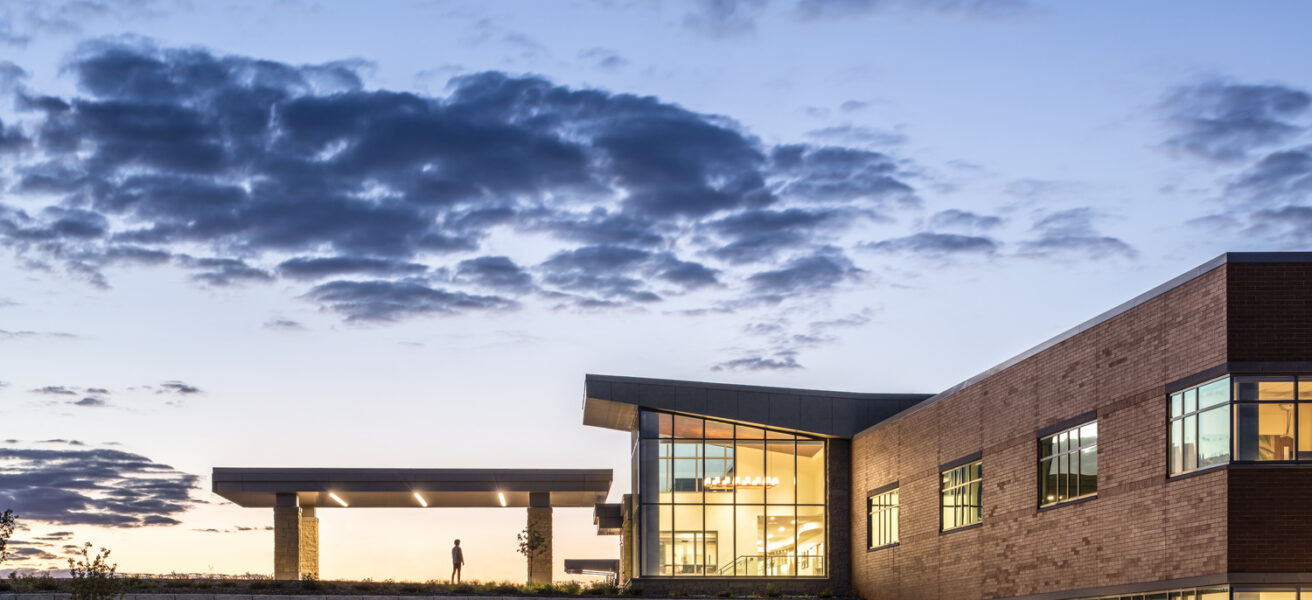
[1241,417]
[1068,464]
[961,488]
[881,524]
[720,499]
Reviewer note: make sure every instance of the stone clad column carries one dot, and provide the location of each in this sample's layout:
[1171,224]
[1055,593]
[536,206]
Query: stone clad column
[539,519]
[309,546]
[286,537]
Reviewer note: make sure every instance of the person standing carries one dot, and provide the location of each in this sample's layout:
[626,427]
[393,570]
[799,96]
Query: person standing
[457,561]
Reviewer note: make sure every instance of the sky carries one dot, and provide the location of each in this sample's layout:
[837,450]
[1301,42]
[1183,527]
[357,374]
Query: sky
[398,234]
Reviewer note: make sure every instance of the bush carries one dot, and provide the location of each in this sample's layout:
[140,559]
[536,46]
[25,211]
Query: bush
[41,582]
[772,590]
[724,594]
[462,588]
[601,588]
[93,577]
[633,590]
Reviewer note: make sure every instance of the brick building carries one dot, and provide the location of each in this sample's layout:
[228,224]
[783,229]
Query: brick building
[1159,451]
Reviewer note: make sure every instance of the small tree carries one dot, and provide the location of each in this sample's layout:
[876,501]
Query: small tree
[8,521]
[93,577]
[532,544]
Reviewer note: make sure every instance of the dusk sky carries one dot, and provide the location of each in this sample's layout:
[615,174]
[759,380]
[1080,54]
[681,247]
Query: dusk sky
[398,234]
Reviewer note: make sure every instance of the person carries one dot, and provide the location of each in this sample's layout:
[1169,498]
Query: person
[457,561]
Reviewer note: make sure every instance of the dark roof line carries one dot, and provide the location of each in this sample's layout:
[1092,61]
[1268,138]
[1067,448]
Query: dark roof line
[1187,276]
[749,388]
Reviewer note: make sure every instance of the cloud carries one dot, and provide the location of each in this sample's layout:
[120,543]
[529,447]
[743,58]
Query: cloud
[724,18]
[56,390]
[179,388]
[759,363]
[806,275]
[284,325]
[1288,227]
[92,486]
[1279,177]
[603,58]
[495,272]
[89,402]
[1224,120]
[760,235]
[379,300]
[320,267]
[928,243]
[382,205]
[841,9]
[1071,232]
[963,220]
[857,134]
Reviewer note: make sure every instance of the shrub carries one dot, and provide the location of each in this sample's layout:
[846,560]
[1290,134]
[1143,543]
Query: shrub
[462,588]
[8,520]
[93,577]
[601,588]
[633,590]
[724,594]
[772,590]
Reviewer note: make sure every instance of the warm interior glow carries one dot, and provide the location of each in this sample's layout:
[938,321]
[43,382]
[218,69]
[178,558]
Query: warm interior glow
[502,498]
[421,500]
[339,500]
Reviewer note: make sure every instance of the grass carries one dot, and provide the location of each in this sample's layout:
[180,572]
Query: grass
[260,585]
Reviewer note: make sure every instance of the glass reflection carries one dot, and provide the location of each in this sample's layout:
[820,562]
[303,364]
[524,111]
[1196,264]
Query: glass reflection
[737,501]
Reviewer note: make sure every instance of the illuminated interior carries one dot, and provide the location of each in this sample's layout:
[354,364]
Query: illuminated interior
[727,500]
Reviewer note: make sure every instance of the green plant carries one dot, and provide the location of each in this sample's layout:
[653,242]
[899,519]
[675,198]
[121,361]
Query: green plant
[93,577]
[8,520]
[32,581]
[827,593]
[532,544]
[724,594]
[309,583]
[772,590]
[462,588]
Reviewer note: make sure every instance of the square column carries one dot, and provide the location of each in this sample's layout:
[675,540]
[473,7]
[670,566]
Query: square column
[309,546]
[539,520]
[287,537]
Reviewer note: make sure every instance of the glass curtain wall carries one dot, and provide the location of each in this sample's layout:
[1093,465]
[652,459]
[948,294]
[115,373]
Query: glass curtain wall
[1242,417]
[726,500]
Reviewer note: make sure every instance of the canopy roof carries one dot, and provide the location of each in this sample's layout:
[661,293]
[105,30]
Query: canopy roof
[612,402]
[415,488]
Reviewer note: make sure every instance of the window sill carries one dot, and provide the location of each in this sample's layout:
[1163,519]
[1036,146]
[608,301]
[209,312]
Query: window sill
[1056,505]
[892,545]
[1197,472]
[962,528]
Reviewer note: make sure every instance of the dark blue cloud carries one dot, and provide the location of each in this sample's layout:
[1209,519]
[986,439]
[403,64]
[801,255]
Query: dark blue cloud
[71,485]
[1225,120]
[379,300]
[934,244]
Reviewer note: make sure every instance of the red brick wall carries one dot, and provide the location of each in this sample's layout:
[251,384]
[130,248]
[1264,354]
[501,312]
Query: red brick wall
[1134,531]
[1271,312]
[1270,520]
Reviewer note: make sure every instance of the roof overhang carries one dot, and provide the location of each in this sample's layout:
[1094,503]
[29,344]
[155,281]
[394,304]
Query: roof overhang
[414,488]
[613,402]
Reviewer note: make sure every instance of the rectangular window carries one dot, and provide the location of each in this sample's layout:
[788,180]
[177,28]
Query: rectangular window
[719,499]
[1068,464]
[961,491]
[882,525]
[1200,427]
[1264,418]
